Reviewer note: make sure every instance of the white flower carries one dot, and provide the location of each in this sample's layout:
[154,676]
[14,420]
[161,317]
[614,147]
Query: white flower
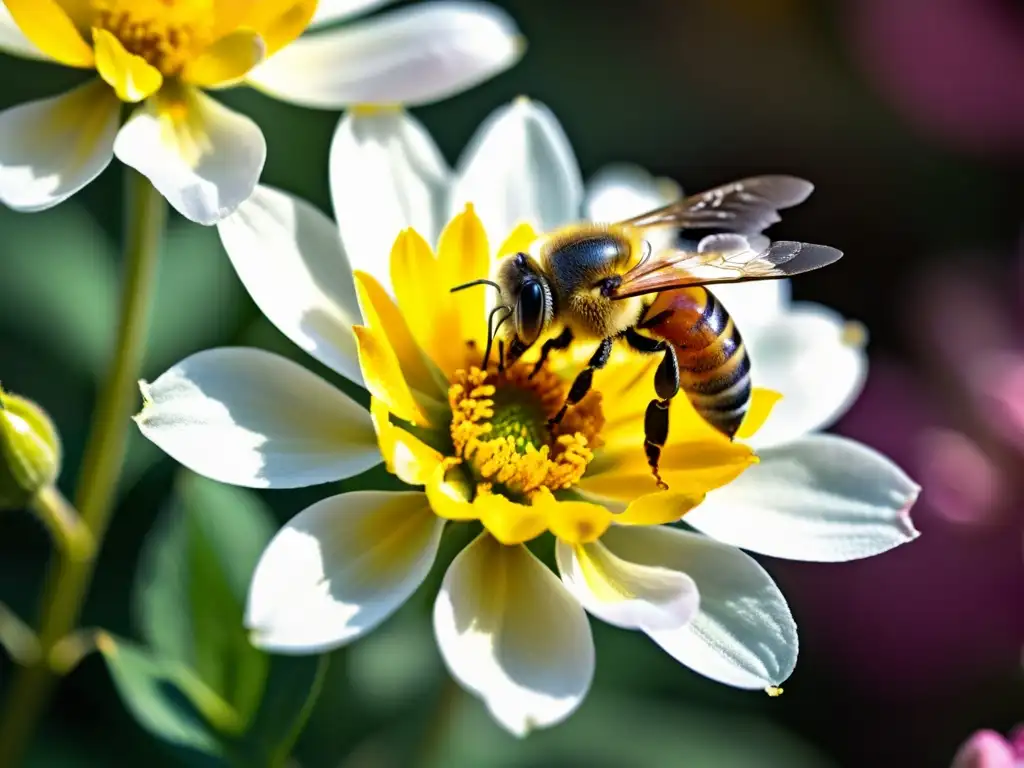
[508,629]
[203,157]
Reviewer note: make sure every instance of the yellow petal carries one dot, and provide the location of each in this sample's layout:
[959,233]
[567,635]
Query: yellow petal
[508,522]
[659,508]
[278,22]
[690,467]
[761,403]
[383,376]
[450,492]
[575,522]
[132,77]
[429,307]
[52,31]
[406,456]
[384,318]
[226,61]
[519,241]
[463,255]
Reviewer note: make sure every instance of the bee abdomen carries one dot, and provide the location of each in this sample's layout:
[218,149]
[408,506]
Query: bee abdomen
[714,369]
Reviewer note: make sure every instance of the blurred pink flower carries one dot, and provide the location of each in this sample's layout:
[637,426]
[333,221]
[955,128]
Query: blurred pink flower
[952,67]
[988,749]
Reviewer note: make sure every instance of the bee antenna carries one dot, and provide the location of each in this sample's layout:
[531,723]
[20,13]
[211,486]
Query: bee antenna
[481,281]
[492,331]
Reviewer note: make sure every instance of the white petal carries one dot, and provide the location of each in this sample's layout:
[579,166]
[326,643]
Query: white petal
[743,634]
[625,594]
[822,497]
[330,11]
[412,56]
[519,167]
[205,161]
[810,356]
[386,174]
[13,40]
[248,417]
[51,148]
[510,633]
[339,568]
[290,259]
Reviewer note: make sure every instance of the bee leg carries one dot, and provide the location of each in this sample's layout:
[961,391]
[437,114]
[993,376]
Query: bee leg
[561,341]
[666,386]
[581,385]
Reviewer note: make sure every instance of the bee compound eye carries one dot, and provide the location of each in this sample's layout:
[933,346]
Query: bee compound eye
[530,312]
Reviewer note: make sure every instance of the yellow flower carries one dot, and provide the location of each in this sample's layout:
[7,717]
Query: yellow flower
[479,441]
[204,158]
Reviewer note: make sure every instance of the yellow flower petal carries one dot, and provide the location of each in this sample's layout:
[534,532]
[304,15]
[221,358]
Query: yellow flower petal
[463,255]
[278,22]
[383,376]
[519,241]
[426,303]
[226,61]
[384,318]
[449,491]
[52,31]
[691,468]
[659,508]
[508,522]
[576,522]
[132,77]
[406,456]
[761,403]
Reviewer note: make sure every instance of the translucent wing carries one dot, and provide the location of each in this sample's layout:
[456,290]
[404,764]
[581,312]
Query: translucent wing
[724,259]
[747,206]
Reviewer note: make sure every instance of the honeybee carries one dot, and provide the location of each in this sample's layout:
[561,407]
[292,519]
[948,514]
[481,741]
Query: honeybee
[602,282]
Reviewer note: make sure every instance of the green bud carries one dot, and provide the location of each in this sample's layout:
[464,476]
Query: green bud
[29,451]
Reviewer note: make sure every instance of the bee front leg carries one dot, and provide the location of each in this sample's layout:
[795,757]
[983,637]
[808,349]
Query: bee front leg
[581,385]
[561,341]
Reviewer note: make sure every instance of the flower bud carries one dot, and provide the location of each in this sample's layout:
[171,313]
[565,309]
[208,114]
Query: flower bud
[29,451]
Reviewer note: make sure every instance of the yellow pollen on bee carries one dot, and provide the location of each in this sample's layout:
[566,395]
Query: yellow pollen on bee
[166,33]
[500,429]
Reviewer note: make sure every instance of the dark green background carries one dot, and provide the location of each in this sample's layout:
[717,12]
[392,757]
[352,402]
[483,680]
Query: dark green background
[699,91]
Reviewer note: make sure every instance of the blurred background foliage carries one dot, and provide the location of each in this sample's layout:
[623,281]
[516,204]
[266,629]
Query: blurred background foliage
[909,118]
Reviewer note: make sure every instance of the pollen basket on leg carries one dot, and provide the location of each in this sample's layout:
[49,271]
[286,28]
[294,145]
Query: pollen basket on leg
[166,33]
[500,430]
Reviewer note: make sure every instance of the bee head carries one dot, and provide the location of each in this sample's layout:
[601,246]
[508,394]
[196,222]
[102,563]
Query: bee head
[526,291]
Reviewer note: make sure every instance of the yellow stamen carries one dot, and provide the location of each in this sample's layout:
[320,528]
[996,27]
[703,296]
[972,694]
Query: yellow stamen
[500,428]
[166,33]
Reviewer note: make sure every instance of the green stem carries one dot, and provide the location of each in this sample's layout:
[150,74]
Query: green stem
[65,525]
[68,579]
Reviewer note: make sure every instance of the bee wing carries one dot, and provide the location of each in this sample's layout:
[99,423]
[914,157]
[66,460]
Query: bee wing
[724,259]
[747,206]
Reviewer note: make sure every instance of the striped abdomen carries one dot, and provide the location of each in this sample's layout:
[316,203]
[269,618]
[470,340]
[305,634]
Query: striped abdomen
[714,370]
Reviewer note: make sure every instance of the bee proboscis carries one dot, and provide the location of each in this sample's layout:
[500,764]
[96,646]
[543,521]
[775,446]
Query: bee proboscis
[604,282]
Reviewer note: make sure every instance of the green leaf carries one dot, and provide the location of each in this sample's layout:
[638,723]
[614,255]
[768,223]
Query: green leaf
[192,583]
[151,690]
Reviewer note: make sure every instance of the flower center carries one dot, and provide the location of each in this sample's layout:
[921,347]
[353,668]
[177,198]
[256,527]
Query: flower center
[166,33]
[500,429]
